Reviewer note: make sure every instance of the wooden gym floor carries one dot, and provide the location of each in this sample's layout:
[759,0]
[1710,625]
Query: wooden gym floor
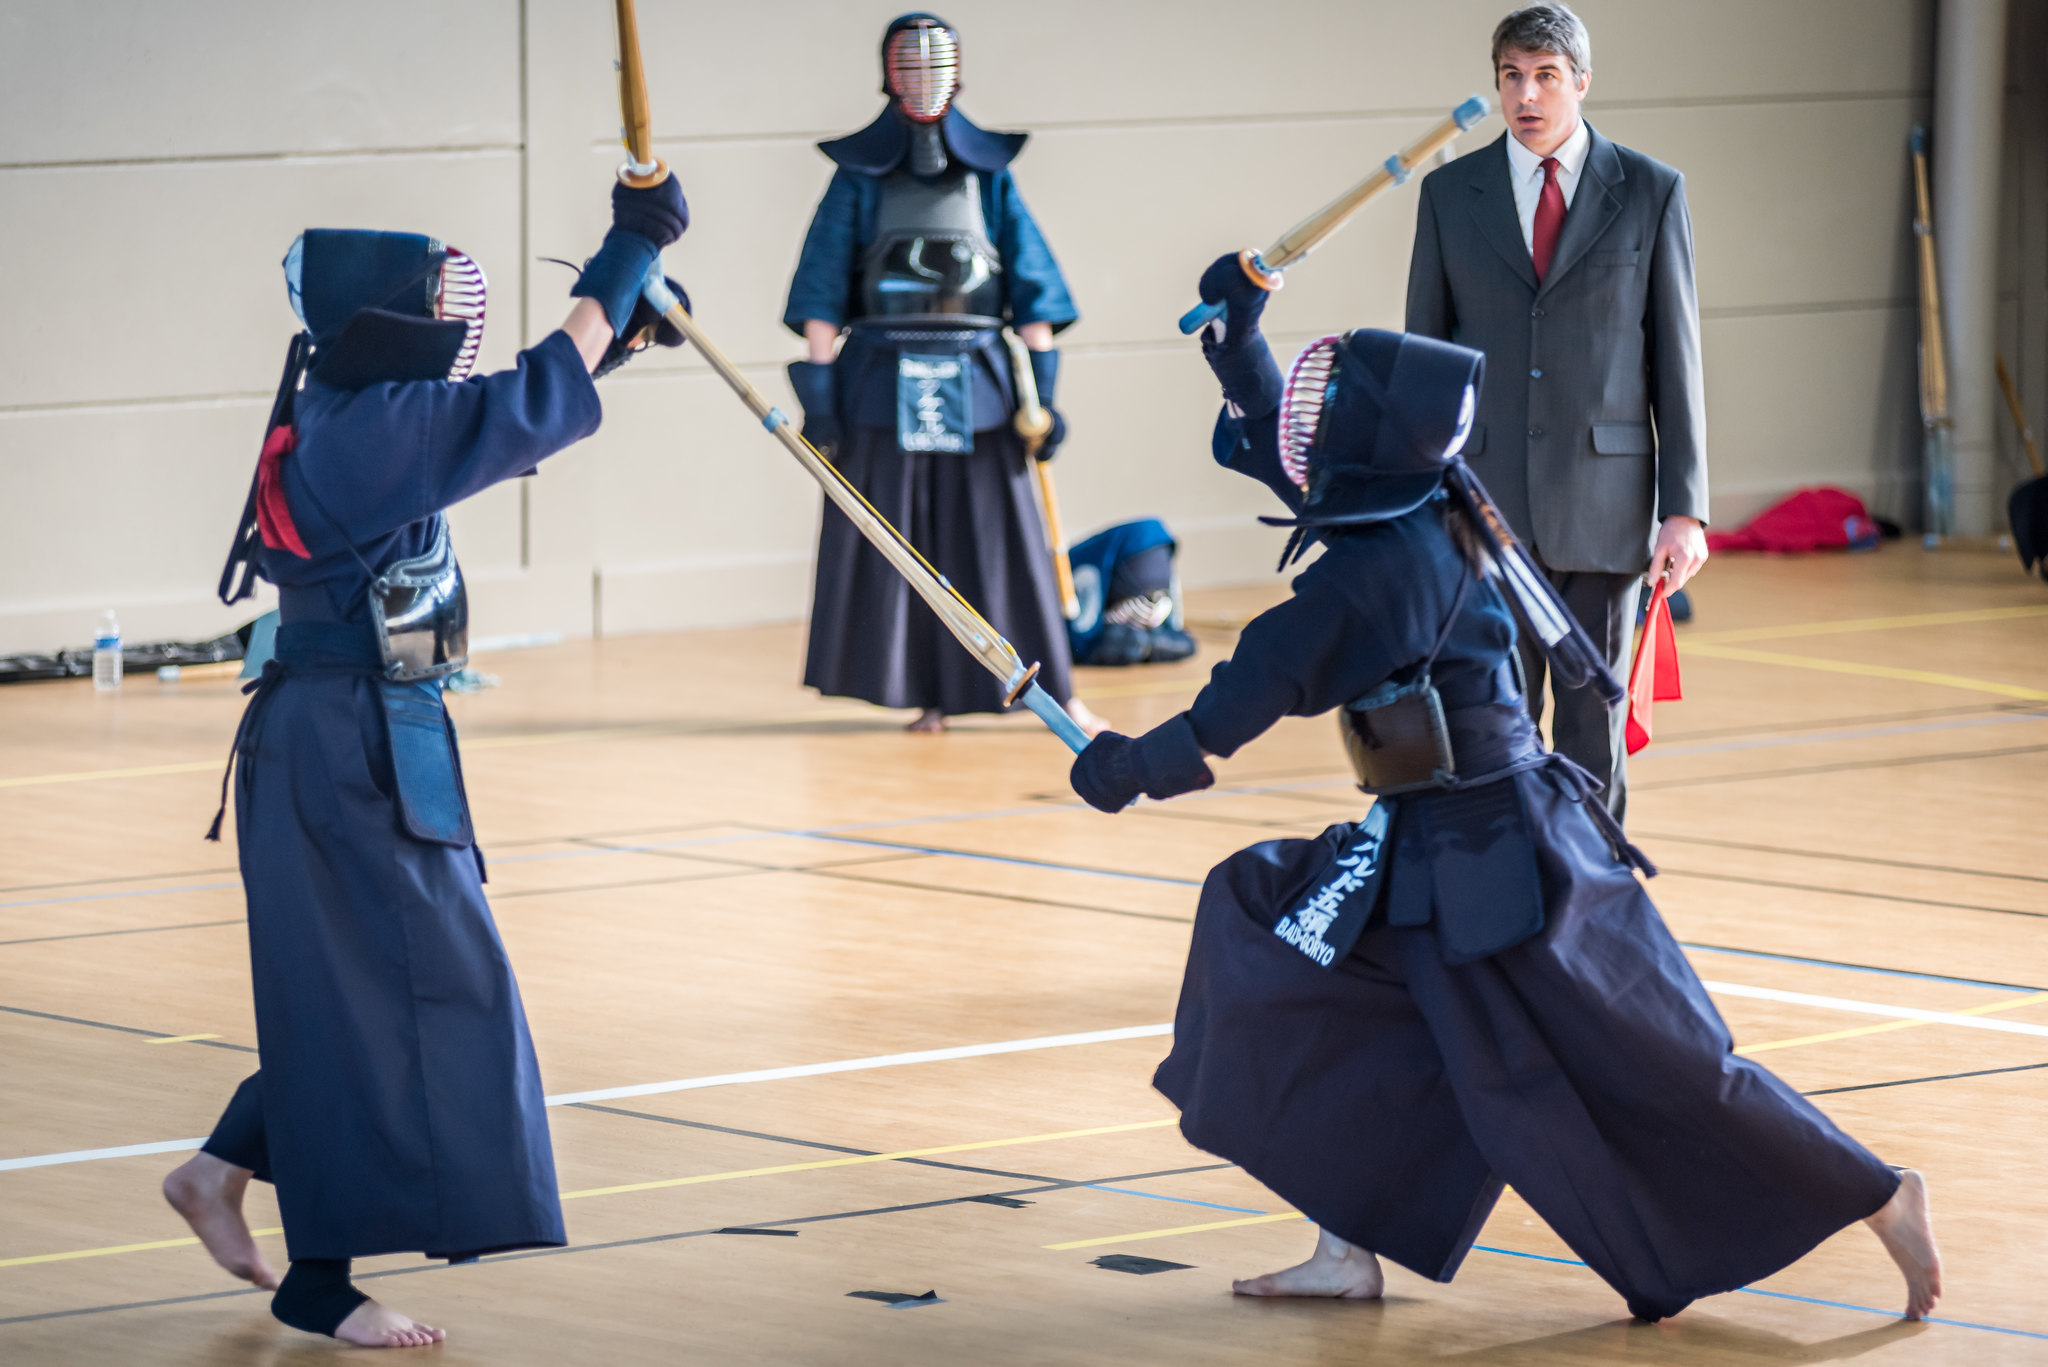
[742,916]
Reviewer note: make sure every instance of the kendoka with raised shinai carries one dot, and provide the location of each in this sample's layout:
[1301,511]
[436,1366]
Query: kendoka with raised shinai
[1469,987]
[398,1108]
[920,252]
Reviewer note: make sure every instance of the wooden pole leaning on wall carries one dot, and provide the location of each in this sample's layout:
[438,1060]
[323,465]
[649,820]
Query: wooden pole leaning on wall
[1938,457]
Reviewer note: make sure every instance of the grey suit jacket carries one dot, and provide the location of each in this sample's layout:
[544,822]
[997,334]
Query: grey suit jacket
[1592,423]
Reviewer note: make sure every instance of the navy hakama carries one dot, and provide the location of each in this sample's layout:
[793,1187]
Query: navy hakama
[1514,1011]
[974,516]
[1389,1099]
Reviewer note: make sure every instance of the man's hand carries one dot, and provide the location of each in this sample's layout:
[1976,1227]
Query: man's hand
[1680,550]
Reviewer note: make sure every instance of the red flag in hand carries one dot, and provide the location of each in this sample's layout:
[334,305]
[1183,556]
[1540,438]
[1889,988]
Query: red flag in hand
[1653,677]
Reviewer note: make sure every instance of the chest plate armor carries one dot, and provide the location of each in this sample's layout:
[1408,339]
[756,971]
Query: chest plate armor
[932,257]
[421,612]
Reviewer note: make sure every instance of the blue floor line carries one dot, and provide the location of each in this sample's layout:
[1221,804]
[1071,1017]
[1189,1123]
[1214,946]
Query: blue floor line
[1183,1200]
[997,859]
[1858,968]
[1788,1296]
[110,896]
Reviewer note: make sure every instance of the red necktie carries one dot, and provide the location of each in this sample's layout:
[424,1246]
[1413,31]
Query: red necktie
[1549,220]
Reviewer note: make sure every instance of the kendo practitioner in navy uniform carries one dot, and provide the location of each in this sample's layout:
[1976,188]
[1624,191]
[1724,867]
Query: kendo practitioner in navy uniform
[1469,987]
[399,1105]
[920,252]
[1129,597]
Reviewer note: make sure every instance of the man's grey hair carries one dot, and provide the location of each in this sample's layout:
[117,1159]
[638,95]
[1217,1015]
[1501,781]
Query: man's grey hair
[1545,28]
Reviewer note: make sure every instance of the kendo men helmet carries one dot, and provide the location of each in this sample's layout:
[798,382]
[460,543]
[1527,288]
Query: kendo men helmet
[1370,422]
[386,306]
[921,66]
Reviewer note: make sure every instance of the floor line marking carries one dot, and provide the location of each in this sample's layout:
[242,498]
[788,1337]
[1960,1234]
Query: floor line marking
[1972,1017]
[1183,1200]
[1722,747]
[1850,625]
[1857,968]
[1989,1008]
[854,1065]
[858,1160]
[75,1253]
[179,1039]
[1179,1229]
[1784,1296]
[1908,1017]
[111,896]
[1870,671]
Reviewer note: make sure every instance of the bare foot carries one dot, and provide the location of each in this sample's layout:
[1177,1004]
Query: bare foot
[375,1325]
[207,1191]
[1337,1269]
[1085,719]
[929,722]
[1907,1231]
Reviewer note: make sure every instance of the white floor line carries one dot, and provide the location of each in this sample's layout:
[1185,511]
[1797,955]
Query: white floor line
[687,1084]
[1904,1013]
[857,1065]
[1021,1046]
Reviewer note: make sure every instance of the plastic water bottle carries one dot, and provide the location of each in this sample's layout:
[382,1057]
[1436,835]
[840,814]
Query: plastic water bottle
[106,654]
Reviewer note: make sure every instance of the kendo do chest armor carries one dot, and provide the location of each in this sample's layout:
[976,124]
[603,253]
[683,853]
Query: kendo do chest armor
[420,610]
[932,258]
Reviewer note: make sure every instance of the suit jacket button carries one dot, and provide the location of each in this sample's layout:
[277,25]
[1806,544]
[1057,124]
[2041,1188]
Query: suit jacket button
[1535,313]
[1535,431]
[1536,374]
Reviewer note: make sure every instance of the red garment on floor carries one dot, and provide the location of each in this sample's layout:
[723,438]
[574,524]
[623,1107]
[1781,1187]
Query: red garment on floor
[1653,677]
[1823,518]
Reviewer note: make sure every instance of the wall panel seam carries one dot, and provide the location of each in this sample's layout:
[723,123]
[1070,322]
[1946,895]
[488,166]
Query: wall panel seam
[1308,117]
[230,158]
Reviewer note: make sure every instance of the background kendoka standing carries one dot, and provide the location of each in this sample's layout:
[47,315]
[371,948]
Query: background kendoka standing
[921,251]
[399,1106]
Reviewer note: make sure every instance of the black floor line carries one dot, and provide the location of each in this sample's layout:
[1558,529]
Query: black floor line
[1940,1077]
[1050,1185]
[706,876]
[806,1143]
[132,930]
[1835,723]
[995,896]
[124,1029]
[1665,870]
[1863,968]
[1846,766]
[118,878]
[1838,857]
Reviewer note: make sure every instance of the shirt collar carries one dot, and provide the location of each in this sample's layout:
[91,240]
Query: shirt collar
[1571,157]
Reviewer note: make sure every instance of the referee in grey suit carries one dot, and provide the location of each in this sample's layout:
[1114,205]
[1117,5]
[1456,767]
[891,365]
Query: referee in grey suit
[1567,259]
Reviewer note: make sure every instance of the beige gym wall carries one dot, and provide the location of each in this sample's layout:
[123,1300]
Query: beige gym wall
[157,158]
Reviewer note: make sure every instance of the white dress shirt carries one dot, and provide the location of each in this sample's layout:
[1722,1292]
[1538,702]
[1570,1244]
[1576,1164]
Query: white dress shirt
[1525,170]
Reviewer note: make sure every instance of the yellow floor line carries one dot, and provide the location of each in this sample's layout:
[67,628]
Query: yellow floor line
[178,1039]
[88,775]
[1989,1009]
[1869,671]
[117,1248]
[1846,626]
[869,1158]
[1178,1229]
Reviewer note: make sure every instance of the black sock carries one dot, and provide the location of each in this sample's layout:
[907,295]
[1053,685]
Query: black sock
[316,1295]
